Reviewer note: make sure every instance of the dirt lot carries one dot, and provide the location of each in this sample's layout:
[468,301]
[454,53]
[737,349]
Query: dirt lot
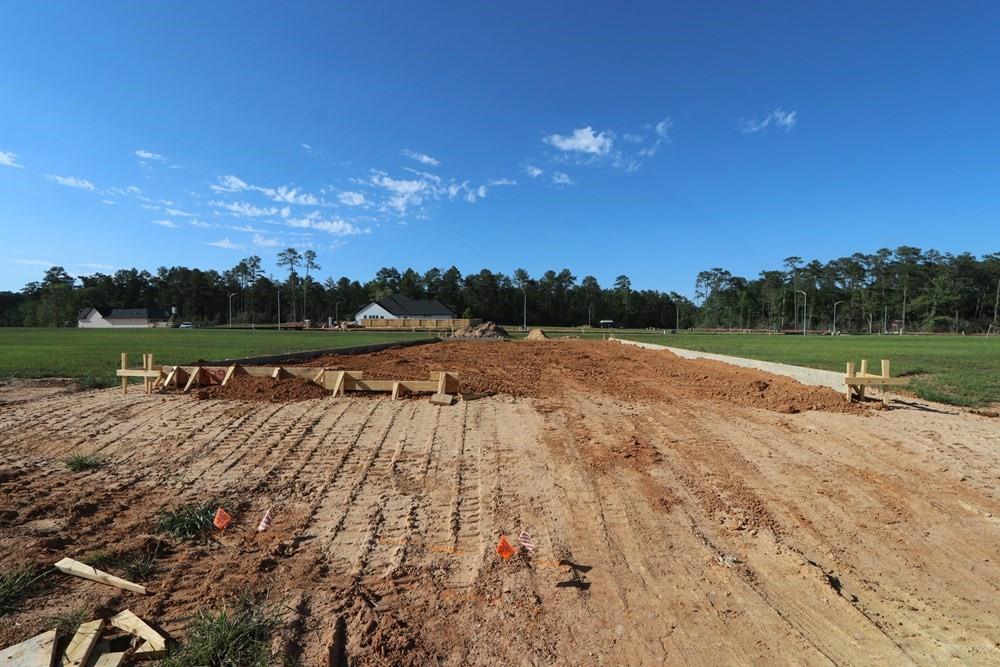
[684,513]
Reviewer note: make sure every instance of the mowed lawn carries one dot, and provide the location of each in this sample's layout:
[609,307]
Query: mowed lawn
[961,370]
[92,355]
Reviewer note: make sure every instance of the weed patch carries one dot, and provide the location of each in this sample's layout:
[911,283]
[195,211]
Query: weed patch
[240,635]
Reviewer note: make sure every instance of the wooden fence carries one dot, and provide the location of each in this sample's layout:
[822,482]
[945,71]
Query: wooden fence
[419,324]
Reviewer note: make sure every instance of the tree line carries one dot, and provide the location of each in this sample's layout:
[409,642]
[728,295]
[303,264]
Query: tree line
[247,294]
[889,291]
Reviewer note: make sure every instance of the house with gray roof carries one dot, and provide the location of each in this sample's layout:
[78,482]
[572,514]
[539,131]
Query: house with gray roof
[399,307]
[120,318]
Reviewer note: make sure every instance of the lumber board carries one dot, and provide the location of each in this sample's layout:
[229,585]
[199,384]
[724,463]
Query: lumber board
[39,651]
[858,381]
[148,652]
[134,625]
[395,390]
[412,386]
[137,373]
[82,644]
[229,373]
[195,375]
[78,569]
[110,659]
[318,377]
[337,380]
[442,399]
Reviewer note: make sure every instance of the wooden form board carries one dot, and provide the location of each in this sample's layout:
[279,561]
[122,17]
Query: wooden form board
[39,651]
[78,569]
[134,625]
[82,643]
[856,382]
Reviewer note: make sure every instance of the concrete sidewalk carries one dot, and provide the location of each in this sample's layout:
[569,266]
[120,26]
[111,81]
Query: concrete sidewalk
[809,376]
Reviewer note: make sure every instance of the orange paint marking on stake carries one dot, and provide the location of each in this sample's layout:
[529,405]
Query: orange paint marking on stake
[504,549]
[221,519]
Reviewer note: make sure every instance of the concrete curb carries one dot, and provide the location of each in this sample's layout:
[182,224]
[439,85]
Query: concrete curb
[312,354]
[808,376]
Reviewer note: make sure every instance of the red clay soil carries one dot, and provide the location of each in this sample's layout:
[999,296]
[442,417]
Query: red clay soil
[247,388]
[547,368]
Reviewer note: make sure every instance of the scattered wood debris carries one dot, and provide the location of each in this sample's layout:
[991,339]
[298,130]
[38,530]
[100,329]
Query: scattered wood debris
[78,569]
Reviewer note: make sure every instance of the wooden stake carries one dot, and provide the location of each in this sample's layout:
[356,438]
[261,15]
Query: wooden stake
[229,374]
[124,368]
[395,390]
[850,374]
[39,651]
[134,625]
[82,643]
[191,380]
[78,569]
[885,387]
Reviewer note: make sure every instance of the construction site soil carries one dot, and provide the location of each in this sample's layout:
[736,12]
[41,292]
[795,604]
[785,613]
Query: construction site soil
[683,512]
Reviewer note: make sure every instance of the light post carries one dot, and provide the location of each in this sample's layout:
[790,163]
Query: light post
[336,313]
[279,310]
[835,317]
[805,299]
[231,309]
[524,312]
[677,313]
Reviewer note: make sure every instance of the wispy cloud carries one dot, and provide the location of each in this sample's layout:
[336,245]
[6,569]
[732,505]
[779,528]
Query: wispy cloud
[351,198]
[230,183]
[95,265]
[284,194]
[333,226]
[72,182]
[403,193]
[225,244]
[264,242]
[778,118]
[177,213]
[663,129]
[149,155]
[109,202]
[422,158]
[502,181]
[244,210]
[169,224]
[200,224]
[533,171]
[8,159]
[35,262]
[582,140]
[559,178]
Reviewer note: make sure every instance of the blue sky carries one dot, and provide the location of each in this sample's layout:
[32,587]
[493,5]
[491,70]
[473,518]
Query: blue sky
[654,140]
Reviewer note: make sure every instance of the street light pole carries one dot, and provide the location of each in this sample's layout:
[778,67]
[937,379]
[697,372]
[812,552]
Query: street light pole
[279,310]
[231,309]
[805,300]
[336,313]
[834,333]
[524,313]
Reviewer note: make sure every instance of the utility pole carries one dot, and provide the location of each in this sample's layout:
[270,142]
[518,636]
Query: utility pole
[805,300]
[834,332]
[902,326]
[995,304]
[279,310]
[231,309]
[677,309]
[524,322]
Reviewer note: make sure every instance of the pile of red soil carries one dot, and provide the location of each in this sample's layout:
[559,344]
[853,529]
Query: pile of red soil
[484,330]
[249,388]
[551,368]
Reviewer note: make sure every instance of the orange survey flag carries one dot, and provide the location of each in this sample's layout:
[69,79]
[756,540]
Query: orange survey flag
[504,550]
[221,519]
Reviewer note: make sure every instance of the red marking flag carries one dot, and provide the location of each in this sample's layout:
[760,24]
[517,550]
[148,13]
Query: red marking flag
[504,549]
[526,540]
[221,519]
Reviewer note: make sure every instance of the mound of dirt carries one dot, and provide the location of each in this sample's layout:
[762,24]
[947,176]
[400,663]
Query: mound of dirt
[535,334]
[484,330]
[554,368]
[248,388]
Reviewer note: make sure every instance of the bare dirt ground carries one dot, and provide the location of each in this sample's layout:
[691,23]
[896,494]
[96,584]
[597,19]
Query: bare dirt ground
[684,513]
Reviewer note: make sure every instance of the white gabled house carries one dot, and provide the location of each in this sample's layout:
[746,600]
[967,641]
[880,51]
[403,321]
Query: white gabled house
[120,318]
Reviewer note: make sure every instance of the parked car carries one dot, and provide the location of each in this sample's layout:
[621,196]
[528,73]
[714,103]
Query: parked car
[186,325]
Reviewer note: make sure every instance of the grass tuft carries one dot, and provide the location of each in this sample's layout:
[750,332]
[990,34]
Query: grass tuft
[240,635]
[14,585]
[138,567]
[81,462]
[96,559]
[188,522]
[67,622]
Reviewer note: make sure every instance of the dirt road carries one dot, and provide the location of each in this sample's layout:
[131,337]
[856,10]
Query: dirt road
[683,512]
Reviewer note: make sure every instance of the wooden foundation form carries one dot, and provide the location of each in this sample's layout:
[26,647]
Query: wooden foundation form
[856,383]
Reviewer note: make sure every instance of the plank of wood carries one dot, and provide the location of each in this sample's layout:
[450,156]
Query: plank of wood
[78,569]
[148,652]
[276,373]
[109,659]
[875,380]
[134,625]
[138,373]
[192,378]
[395,390]
[39,651]
[412,386]
[82,643]
[442,380]
[337,380]
[442,399]
[318,378]
[229,373]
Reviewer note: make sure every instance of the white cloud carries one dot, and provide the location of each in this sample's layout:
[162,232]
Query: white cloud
[199,223]
[230,183]
[423,174]
[109,202]
[351,198]
[148,155]
[244,210]
[169,224]
[225,244]
[779,118]
[306,146]
[475,194]
[583,140]
[503,181]
[177,213]
[663,129]
[634,138]
[559,178]
[8,159]
[95,265]
[403,193]
[422,158]
[290,196]
[532,171]
[72,182]
[334,226]
[263,242]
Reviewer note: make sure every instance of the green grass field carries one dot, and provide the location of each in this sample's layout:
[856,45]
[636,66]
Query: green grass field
[92,355]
